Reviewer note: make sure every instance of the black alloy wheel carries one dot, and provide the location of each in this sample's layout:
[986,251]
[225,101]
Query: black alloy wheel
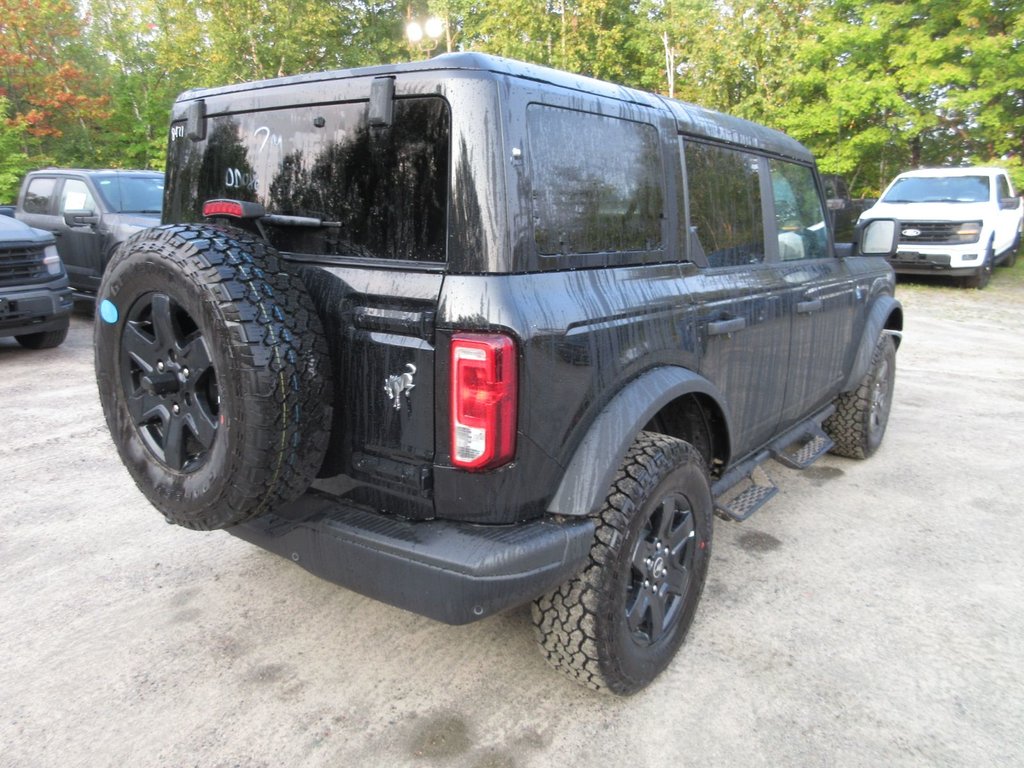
[662,566]
[882,385]
[170,382]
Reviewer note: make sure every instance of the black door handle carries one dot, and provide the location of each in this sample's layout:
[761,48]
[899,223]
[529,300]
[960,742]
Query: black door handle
[719,327]
[806,307]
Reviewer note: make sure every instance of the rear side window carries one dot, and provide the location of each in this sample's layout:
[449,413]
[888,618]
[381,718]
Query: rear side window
[596,183]
[726,221]
[380,192]
[38,195]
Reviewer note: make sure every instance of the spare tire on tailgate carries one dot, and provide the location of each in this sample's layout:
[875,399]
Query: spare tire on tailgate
[213,373]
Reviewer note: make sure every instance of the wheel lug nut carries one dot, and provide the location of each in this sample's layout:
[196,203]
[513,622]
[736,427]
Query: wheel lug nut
[176,408]
[160,365]
[184,372]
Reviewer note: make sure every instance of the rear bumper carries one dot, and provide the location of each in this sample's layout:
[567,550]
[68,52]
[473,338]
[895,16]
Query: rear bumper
[34,310]
[449,571]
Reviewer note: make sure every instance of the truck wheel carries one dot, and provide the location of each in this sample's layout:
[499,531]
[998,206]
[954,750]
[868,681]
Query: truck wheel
[1011,255]
[981,278]
[619,622]
[858,425]
[213,373]
[45,339]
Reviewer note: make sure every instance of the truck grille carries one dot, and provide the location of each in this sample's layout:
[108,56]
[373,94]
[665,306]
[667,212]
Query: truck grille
[930,232]
[22,264]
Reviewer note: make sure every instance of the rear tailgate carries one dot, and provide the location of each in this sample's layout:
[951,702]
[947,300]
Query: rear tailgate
[363,196]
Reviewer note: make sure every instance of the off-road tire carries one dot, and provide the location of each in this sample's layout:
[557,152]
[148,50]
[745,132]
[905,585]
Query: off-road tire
[660,496]
[858,424]
[213,373]
[44,339]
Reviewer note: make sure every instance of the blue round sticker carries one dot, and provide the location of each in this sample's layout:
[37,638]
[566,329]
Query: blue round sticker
[108,311]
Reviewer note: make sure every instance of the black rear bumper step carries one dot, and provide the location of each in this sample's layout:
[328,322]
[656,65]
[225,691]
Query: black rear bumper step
[449,571]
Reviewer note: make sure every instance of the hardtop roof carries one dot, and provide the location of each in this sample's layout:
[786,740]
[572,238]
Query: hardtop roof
[690,118]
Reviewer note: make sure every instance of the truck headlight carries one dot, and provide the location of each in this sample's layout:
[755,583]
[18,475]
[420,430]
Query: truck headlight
[52,260]
[968,232]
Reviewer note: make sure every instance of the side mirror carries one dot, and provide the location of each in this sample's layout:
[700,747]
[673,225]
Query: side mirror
[1010,203]
[80,218]
[877,237]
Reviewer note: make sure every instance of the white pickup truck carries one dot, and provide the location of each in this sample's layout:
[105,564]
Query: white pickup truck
[958,222]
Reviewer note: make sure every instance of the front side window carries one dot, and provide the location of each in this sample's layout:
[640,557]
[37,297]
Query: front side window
[38,195]
[596,183]
[1003,188]
[799,216]
[377,191]
[726,221]
[76,197]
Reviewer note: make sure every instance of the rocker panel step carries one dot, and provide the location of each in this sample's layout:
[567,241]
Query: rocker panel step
[745,503]
[809,446]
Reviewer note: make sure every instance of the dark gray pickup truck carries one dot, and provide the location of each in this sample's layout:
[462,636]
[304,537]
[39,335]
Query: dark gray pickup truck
[468,333]
[35,300]
[90,213]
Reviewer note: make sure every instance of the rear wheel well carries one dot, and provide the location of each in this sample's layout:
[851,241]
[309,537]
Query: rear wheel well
[895,323]
[698,420]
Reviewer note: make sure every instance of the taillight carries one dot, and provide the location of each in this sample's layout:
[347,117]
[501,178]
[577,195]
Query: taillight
[236,209]
[483,400]
[222,208]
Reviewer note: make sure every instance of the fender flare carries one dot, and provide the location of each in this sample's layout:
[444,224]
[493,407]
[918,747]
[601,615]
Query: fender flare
[597,459]
[884,308]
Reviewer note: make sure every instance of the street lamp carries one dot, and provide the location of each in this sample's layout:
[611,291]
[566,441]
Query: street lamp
[424,36]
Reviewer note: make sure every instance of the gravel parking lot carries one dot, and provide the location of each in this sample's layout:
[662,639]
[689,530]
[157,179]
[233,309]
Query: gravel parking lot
[872,614]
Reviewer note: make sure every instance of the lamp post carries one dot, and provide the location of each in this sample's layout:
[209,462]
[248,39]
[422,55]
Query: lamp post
[424,36]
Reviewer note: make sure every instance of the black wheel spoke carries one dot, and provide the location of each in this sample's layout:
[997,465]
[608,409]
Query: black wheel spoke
[202,425]
[678,579]
[145,408]
[640,556]
[682,533]
[667,515]
[174,443]
[657,617]
[196,357]
[142,348]
[163,322]
[637,612]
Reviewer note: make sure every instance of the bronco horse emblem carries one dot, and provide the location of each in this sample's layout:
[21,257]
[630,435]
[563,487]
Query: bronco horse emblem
[398,384]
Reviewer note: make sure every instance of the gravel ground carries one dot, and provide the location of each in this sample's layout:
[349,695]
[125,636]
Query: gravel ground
[872,614]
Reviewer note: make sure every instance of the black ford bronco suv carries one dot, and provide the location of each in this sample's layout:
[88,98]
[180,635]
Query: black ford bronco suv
[468,333]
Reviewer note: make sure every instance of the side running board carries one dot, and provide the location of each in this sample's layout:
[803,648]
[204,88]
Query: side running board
[747,487]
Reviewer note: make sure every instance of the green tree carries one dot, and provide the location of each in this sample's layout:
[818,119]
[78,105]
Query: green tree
[46,75]
[14,161]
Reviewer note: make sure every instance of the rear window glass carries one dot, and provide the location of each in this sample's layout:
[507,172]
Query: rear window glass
[379,192]
[596,182]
